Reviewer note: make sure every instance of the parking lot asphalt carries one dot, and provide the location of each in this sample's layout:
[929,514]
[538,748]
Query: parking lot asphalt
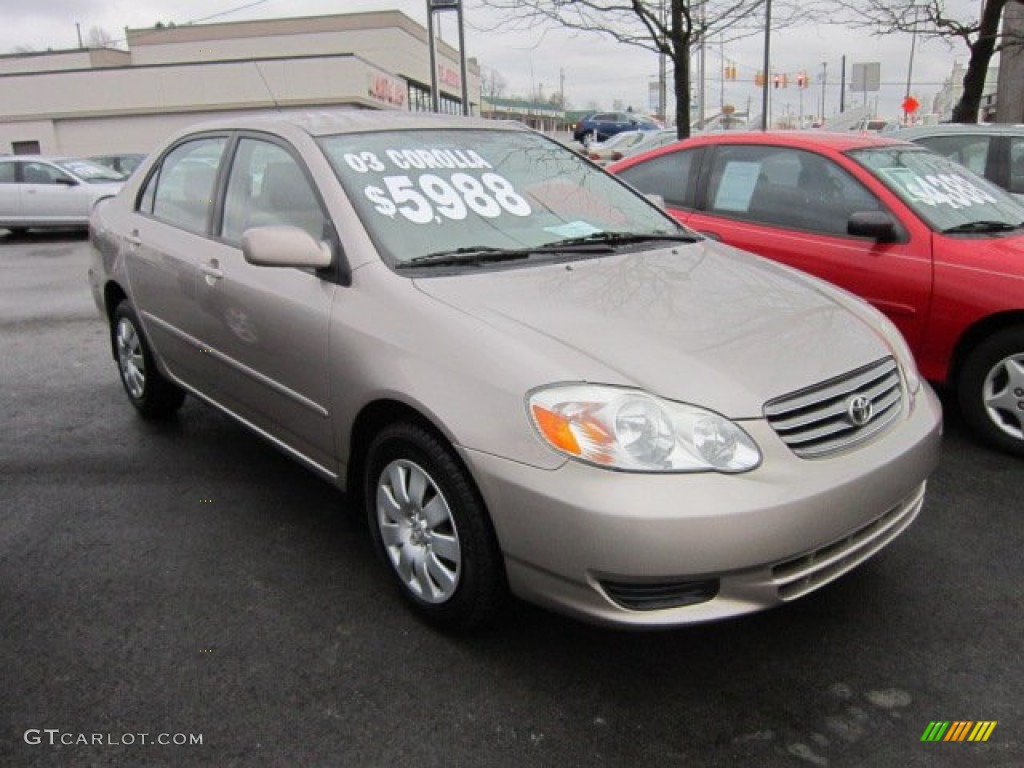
[167,582]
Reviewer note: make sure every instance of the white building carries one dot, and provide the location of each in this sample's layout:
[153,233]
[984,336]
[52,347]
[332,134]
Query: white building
[85,102]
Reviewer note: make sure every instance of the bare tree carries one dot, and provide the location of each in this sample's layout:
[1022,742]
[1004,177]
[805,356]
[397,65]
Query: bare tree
[669,27]
[934,19]
[98,37]
[492,84]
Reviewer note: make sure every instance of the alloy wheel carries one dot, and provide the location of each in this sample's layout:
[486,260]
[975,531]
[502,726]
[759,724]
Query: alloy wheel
[1003,395]
[418,531]
[130,358]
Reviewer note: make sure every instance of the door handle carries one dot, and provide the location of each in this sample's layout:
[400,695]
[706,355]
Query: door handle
[212,271]
[133,239]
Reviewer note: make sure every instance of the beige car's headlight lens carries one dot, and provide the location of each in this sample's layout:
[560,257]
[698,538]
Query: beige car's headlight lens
[628,429]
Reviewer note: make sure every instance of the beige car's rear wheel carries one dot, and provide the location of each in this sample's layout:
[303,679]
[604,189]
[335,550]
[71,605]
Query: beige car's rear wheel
[152,395]
[432,529]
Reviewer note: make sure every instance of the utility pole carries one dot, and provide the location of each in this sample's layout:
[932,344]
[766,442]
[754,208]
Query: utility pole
[78,28]
[767,64]
[824,76]
[842,88]
[910,67]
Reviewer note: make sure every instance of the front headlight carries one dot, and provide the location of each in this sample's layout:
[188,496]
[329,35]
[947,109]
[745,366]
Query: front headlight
[630,430]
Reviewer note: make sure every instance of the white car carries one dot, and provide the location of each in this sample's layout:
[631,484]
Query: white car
[40,191]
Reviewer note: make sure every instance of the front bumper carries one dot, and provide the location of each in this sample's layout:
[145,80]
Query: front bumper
[761,538]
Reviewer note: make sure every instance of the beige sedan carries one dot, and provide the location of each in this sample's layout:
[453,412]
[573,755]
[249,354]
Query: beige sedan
[533,379]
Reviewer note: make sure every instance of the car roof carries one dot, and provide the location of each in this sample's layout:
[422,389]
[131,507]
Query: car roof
[330,122]
[819,140]
[953,129]
[835,140]
[34,158]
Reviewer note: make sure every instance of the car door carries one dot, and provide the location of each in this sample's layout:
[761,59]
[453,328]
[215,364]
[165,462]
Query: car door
[10,194]
[166,240]
[792,206]
[265,328]
[49,194]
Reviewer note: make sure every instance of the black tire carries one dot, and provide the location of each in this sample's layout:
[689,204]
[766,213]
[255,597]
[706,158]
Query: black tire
[153,396]
[991,390]
[435,536]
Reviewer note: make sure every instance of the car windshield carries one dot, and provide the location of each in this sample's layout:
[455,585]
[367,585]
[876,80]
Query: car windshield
[945,194]
[428,192]
[90,171]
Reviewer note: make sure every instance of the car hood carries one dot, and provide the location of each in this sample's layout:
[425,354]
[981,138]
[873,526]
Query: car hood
[702,323]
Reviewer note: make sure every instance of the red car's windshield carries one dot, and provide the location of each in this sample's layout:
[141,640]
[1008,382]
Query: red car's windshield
[944,194]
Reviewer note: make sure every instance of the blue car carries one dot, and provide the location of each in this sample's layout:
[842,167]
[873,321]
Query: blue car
[600,125]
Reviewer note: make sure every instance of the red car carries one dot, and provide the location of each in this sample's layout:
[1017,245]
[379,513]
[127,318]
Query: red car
[933,246]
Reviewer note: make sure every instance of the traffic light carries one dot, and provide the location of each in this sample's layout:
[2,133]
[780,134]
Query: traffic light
[777,81]
[801,80]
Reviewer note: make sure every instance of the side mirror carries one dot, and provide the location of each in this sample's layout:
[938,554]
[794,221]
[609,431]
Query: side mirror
[878,225]
[285,246]
[64,181]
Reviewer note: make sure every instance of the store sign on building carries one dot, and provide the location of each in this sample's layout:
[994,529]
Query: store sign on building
[448,76]
[386,89]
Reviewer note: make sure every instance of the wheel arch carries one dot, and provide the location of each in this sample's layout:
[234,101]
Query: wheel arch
[976,334]
[372,418]
[113,294]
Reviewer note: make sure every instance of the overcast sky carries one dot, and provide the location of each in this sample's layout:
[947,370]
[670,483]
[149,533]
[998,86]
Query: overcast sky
[596,69]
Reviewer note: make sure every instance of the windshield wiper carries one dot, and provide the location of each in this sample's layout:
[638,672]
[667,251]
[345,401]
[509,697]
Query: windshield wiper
[484,254]
[470,254]
[982,226]
[624,238]
[599,242]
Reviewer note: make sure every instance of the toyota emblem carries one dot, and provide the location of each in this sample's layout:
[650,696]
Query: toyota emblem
[859,410]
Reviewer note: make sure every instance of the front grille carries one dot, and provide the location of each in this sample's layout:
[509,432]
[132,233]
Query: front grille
[795,578]
[826,418]
[651,597]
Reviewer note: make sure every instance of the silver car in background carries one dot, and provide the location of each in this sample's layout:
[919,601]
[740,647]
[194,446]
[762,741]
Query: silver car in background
[40,192]
[532,378]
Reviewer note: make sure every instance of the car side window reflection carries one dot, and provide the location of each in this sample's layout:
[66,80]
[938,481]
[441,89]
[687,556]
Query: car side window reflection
[1016,165]
[7,173]
[41,173]
[665,175]
[785,187]
[969,151]
[184,186]
[267,186]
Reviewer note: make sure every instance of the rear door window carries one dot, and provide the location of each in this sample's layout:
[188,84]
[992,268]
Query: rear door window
[181,192]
